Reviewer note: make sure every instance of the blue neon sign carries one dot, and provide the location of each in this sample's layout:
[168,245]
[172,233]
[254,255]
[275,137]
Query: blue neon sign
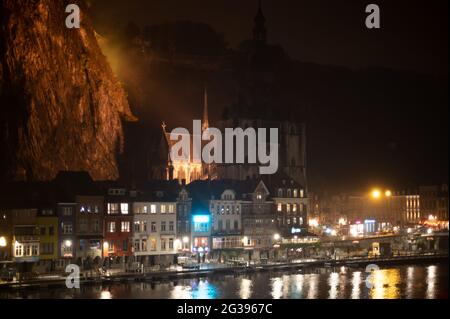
[201,219]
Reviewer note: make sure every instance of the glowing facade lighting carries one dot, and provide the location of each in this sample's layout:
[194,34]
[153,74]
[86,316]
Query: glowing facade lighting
[68,243]
[185,239]
[276,237]
[429,231]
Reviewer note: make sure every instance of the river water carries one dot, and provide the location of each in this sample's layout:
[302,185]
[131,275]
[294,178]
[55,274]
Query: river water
[414,281]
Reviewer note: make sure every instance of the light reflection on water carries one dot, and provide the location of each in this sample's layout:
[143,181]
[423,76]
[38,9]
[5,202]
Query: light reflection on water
[429,281]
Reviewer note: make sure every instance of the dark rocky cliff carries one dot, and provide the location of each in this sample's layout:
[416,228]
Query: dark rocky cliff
[61,107]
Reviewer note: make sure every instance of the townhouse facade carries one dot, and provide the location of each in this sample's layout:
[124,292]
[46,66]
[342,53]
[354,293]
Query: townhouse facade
[118,225]
[155,233]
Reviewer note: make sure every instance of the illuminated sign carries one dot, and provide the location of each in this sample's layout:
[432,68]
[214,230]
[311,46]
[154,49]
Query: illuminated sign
[369,221]
[296,230]
[201,219]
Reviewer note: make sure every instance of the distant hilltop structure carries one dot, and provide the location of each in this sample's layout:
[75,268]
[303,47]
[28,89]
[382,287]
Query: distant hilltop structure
[252,109]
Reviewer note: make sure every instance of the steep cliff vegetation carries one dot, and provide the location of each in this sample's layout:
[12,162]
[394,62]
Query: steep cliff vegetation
[61,107]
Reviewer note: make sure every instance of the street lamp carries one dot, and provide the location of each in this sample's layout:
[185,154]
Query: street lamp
[388,193]
[376,193]
[276,236]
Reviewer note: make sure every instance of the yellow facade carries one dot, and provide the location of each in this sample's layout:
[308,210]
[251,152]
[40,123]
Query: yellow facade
[48,236]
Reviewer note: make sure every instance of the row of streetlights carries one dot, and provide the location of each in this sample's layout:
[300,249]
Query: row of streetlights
[376,193]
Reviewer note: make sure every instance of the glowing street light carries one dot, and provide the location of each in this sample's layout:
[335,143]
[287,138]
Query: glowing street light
[376,194]
[313,222]
[2,241]
[388,193]
[185,240]
[276,237]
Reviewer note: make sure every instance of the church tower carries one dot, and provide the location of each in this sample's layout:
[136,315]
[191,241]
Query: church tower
[260,32]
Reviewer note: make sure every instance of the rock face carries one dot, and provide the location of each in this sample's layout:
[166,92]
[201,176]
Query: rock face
[61,107]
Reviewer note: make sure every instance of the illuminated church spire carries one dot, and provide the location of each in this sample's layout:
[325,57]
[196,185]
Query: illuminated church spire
[205,122]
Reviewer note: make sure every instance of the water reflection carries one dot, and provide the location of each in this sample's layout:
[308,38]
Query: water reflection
[277,288]
[333,282]
[105,295]
[204,290]
[356,285]
[410,282]
[431,282]
[313,290]
[181,292]
[299,281]
[385,284]
[246,289]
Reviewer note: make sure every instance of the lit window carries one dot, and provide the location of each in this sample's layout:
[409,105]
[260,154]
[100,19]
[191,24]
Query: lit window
[302,193]
[67,211]
[113,208]
[111,227]
[125,227]
[163,209]
[124,208]
[288,208]
[153,209]
[19,250]
[294,208]
[295,193]
[280,207]
[67,229]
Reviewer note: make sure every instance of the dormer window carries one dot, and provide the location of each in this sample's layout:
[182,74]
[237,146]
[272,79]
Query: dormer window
[302,193]
[289,193]
[295,193]
[280,192]
[259,196]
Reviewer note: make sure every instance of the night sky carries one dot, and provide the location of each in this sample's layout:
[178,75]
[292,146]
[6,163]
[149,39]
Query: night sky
[393,147]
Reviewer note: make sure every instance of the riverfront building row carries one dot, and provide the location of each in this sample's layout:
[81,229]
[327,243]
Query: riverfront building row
[73,219]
